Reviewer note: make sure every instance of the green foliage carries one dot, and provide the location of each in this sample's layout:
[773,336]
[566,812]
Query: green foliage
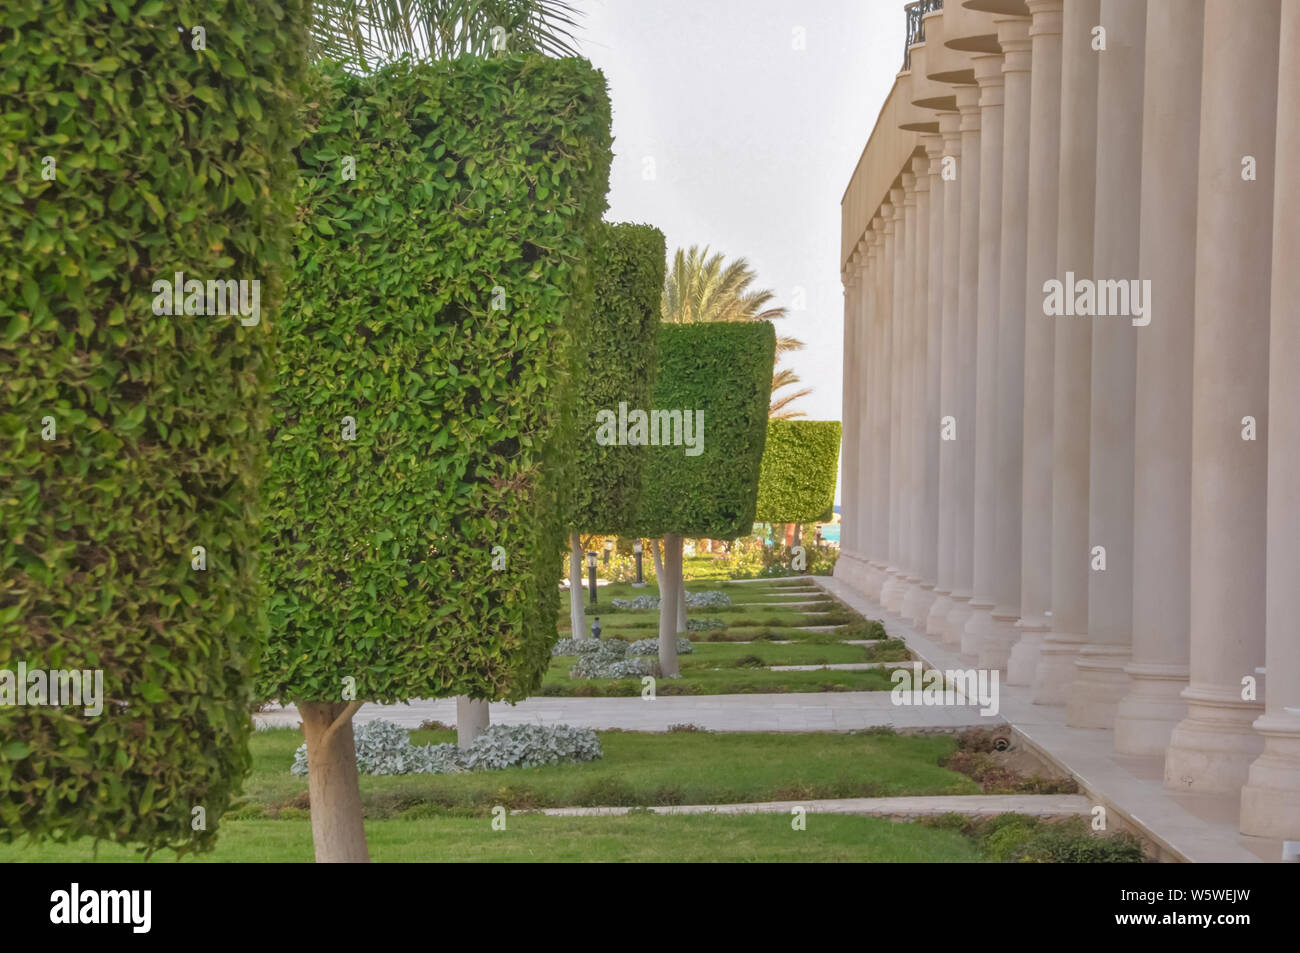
[724,370]
[620,360]
[478,183]
[166,159]
[800,461]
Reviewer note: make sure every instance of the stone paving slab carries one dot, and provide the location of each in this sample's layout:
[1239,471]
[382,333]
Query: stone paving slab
[838,666]
[790,711]
[782,605]
[1131,790]
[1048,806]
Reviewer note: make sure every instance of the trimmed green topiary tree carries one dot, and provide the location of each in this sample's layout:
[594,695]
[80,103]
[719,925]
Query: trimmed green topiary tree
[705,482]
[129,438]
[619,357]
[800,462]
[425,401]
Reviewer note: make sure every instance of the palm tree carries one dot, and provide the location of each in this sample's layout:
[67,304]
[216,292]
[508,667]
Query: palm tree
[361,34]
[701,287]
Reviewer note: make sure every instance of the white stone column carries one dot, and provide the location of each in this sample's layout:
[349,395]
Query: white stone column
[1212,748]
[922,594]
[851,499]
[1270,801]
[1013,34]
[988,74]
[943,255]
[939,250]
[907,395]
[866,408]
[1162,477]
[1040,266]
[881,419]
[960,401]
[880,362]
[893,590]
[1072,377]
[1099,680]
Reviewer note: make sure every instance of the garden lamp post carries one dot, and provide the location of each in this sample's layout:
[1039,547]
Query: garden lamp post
[591,575]
[609,549]
[595,628]
[636,548]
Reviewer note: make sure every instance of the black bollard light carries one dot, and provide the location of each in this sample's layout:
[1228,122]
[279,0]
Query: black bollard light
[609,550]
[640,580]
[591,575]
[595,628]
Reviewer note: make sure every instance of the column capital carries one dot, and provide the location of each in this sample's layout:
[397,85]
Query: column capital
[950,129]
[968,105]
[921,169]
[1048,17]
[1013,37]
[933,143]
[988,74]
[909,189]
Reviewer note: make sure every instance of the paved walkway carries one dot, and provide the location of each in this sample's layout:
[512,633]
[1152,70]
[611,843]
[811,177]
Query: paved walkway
[1050,806]
[792,711]
[838,667]
[1188,827]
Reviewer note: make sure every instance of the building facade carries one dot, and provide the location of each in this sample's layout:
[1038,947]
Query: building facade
[1071,260]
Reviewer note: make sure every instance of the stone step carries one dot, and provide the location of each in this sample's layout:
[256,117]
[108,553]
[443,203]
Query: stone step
[1046,806]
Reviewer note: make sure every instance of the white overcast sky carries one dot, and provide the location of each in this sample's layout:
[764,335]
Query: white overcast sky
[753,140]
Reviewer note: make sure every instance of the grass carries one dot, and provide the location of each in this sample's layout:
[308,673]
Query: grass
[640,769]
[700,678]
[643,838]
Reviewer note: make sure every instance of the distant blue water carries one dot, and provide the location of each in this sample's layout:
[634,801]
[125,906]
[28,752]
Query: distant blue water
[831,532]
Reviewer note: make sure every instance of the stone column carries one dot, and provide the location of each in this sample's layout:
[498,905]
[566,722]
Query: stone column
[923,550]
[1072,376]
[892,592]
[1212,748]
[1099,680]
[880,420]
[1040,266]
[1171,110]
[1270,801]
[988,73]
[960,403]
[1001,634]
[865,389]
[846,566]
[934,143]
[907,395]
[943,255]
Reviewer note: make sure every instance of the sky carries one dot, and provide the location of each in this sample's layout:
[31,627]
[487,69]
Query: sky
[737,124]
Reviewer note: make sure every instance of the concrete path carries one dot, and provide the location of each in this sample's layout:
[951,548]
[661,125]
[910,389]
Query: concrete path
[792,711]
[1186,827]
[1049,806]
[838,666]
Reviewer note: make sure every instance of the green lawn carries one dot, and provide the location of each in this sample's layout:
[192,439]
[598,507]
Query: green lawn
[700,678]
[637,837]
[640,769]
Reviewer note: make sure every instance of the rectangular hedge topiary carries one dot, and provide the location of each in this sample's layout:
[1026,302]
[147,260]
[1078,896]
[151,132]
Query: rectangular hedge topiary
[437,304]
[127,437]
[800,464]
[724,370]
[620,355]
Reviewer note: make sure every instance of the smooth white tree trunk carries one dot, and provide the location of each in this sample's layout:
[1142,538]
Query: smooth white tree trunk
[577,616]
[472,719]
[337,831]
[659,568]
[670,593]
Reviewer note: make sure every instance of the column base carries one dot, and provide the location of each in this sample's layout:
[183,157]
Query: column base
[995,648]
[851,569]
[1055,671]
[875,579]
[916,606]
[893,591]
[1023,660]
[956,622]
[1100,684]
[1270,801]
[1147,715]
[937,618]
[979,625]
[1212,749]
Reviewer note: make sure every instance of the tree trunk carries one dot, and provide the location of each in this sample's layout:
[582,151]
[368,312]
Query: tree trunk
[670,588]
[577,615]
[681,595]
[337,831]
[659,569]
[798,527]
[471,720]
